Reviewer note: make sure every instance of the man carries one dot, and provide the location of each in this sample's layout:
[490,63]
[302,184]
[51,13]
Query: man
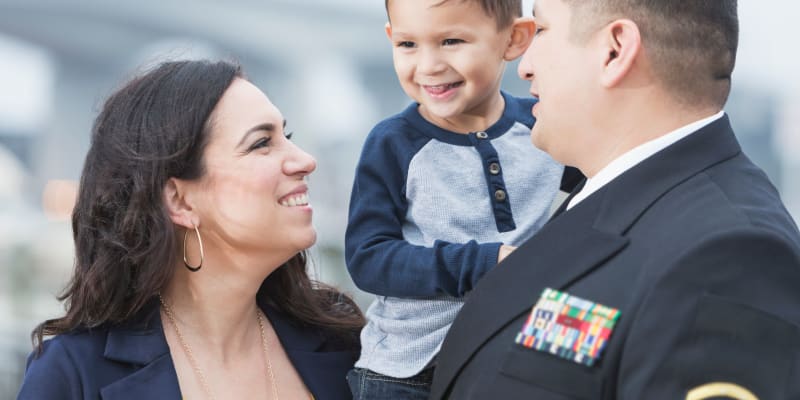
[674,270]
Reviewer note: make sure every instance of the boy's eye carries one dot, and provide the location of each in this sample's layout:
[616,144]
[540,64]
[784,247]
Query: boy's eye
[288,135]
[451,42]
[538,31]
[406,44]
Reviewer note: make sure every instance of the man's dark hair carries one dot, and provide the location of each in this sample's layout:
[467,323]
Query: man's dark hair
[503,11]
[691,43]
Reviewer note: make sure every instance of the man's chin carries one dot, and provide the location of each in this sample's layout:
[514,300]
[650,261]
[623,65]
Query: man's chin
[537,140]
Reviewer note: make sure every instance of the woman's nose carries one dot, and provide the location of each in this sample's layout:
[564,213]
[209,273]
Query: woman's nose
[298,162]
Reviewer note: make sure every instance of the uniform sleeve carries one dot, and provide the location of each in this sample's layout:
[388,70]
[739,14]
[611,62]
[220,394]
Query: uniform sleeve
[51,375]
[379,260]
[724,317]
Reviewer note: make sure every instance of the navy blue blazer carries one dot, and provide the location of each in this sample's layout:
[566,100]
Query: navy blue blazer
[133,362]
[695,249]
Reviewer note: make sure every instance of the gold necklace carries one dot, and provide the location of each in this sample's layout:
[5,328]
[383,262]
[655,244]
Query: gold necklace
[265,344]
[189,355]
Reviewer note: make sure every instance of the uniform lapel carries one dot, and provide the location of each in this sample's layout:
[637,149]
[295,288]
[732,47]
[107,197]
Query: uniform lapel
[564,250]
[563,207]
[576,242]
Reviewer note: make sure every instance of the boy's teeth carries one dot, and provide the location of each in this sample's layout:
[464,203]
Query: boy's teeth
[438,89]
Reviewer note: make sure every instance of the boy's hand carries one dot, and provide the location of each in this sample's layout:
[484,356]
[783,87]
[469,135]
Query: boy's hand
[505,250]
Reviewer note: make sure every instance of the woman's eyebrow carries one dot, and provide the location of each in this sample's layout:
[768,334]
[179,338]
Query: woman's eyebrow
[267,126]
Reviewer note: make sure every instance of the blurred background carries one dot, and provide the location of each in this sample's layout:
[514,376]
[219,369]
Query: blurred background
[325,63]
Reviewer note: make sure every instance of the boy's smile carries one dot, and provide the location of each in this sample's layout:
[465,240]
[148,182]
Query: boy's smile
[449,57]
[442,92]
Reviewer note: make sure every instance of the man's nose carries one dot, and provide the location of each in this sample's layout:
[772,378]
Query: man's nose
[525,68]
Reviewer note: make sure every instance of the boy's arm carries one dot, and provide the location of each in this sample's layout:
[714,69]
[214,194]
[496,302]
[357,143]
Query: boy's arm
[379,260]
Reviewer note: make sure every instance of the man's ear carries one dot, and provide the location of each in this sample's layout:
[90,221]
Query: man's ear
[622,47]
[388,29]
[179,209]
[522,31]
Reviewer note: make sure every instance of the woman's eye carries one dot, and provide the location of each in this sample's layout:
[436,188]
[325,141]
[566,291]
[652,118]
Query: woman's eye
[451,42]
[263,142]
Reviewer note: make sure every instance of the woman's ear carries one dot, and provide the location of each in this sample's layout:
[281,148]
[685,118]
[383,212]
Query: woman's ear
[622,46]
[179,209]
[522,31]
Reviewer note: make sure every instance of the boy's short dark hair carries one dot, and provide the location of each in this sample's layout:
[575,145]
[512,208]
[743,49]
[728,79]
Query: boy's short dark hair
[692,43]
[503,11]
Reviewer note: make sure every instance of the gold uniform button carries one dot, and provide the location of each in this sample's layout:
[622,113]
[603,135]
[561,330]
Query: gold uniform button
[481,135]
[500,195]
[494,168]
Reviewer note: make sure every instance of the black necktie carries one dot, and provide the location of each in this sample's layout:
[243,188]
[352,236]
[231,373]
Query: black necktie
[563,206]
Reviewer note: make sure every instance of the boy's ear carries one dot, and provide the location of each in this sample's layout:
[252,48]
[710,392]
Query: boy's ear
[178,208]
[388,29]
[621,44]
[522,31]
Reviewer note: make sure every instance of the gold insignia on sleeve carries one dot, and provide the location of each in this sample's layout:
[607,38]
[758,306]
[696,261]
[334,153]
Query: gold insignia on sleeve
[720,389]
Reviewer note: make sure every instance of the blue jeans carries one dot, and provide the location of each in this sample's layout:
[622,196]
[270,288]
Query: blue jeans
[368,385]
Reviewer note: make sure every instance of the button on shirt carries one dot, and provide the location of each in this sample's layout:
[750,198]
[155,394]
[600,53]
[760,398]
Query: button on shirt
[637,155]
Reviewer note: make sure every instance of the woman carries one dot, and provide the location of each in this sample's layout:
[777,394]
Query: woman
[190,280]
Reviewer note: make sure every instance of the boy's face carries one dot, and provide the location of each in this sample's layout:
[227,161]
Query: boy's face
[449,58]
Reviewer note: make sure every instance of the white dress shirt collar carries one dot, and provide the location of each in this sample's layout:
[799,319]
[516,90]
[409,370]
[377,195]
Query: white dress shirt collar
[636,155]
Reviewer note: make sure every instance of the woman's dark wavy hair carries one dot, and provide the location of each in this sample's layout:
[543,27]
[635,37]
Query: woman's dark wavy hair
[154,128]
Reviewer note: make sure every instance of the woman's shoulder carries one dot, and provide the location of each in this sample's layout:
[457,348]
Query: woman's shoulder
[342,307]
[55,370]
[75,346]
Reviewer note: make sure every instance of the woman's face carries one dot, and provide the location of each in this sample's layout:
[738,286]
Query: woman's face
[252,197]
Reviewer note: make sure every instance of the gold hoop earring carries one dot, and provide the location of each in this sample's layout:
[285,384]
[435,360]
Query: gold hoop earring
[202,255]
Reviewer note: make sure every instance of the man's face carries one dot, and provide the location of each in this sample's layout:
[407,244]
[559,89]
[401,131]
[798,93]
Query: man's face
[561,73]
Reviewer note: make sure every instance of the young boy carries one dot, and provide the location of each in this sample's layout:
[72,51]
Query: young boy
[443,190]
